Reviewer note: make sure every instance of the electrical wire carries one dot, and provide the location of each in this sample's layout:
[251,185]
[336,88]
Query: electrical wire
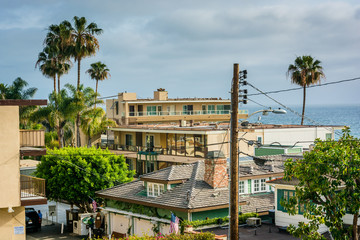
[311,86]
[291,110]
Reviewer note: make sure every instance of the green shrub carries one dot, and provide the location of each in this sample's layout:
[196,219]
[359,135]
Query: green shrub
[198,223]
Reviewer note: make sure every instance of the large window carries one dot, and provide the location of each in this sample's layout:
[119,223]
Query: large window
[128,140]
[260,185]
[151,110]
[211,109]
[187,109]
[155,189]
[285,195]
[223,109]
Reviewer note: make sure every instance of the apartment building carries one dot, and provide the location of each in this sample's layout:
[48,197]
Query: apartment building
[18,191]
[128,109]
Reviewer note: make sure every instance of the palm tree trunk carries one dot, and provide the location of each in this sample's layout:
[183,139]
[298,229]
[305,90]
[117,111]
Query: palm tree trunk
[59,135]
[78,80]
[97,81]
[58,83]
[355,227]
[55,84]
[78,130]
[303,109]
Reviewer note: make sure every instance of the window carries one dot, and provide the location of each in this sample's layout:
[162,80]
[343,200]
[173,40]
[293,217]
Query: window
[159,110]
[117,107]
[328,136]
[241,187]
[131,110]
[285,195]
[155,189]
[149,142]
[211,109]
[223,109]
[187,109]
[257,185]
[128,140]
[260,185]
[151,110]
[259,139]
[203,108]
[263,185]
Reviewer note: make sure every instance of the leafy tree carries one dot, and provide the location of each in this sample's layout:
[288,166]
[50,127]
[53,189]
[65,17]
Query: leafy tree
[75,174]
[328,188]
[93,122]
[305,71]
[84,42]
[98,72]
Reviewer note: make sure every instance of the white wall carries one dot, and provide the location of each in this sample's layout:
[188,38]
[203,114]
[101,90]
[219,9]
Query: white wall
[289,136]
[143,227]
[119,223]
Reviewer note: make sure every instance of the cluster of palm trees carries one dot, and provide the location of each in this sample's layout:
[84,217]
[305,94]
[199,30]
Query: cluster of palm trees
[69,109]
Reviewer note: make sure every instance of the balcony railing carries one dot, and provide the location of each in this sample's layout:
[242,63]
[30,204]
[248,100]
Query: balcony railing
[31,187]
[179,151]
[182,113]
[32,138]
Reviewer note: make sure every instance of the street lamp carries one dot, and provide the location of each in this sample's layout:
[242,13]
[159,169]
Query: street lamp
[265,112]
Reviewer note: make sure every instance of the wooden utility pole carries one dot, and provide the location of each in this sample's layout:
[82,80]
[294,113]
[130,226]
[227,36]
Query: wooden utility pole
[234,162]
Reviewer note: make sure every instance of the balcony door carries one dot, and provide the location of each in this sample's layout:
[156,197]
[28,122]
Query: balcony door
[131,110]
[140,110]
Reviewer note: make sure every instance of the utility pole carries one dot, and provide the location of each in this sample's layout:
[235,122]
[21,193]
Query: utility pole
[234,162]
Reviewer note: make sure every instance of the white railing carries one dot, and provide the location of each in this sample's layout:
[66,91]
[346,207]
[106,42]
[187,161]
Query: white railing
[181,113]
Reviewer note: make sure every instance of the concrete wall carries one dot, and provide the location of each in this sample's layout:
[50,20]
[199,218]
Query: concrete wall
[289,136]
[9,157]
[12,225]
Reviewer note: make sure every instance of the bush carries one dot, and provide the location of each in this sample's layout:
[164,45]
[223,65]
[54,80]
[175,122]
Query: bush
[198,223]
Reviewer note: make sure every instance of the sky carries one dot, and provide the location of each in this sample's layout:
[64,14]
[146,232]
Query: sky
[189,47]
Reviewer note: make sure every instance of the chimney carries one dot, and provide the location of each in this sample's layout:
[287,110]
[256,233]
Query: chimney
[216,172]
[161,95]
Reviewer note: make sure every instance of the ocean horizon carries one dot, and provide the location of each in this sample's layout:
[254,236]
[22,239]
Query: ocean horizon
[333,115]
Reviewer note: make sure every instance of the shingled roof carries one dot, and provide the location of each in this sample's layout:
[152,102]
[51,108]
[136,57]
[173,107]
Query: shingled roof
[191,195]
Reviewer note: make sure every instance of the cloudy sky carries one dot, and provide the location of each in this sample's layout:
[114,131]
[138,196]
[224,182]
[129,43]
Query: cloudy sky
[189,47]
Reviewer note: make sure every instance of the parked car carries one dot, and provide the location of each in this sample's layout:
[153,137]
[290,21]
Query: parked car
[32,219]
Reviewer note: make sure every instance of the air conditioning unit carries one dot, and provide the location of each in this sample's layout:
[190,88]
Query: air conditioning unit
[253,221]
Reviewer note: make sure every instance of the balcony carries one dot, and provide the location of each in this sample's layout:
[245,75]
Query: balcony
[201,115]
[32,190]
[32,142]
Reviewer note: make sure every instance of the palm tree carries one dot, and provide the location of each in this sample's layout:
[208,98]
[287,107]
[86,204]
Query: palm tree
[98,72]
[47,64]
[84,99]
[58,39]
[84,42]
[93,122]
[305,71]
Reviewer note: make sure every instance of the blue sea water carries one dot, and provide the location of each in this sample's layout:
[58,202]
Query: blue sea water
[322,115]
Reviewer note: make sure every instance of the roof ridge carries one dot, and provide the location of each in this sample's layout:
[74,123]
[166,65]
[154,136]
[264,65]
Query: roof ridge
[170,173]
[192,186]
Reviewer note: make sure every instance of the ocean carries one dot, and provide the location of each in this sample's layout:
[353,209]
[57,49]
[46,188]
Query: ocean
[321,115]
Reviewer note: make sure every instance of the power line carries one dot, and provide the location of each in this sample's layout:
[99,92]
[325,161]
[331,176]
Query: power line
[312,86]
[291,110]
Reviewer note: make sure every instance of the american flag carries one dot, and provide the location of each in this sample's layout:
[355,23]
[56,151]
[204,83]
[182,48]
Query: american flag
[174,224]
[94,205]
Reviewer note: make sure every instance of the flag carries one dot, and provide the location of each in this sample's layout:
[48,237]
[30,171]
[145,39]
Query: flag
[94,205]
[174,224]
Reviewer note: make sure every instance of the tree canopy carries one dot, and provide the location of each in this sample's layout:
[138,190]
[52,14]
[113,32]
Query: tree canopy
[329,187]
[75,174]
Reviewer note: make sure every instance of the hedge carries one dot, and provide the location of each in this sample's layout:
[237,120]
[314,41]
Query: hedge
[199,223]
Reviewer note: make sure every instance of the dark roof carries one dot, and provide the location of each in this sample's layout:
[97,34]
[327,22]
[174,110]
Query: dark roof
[192,194]
[22,102]
[171,173]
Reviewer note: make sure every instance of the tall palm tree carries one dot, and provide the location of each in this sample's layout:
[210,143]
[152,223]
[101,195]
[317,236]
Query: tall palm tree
[47,64]
[98,72]
[58,39]
[85,43]
[304,72]
[93,122]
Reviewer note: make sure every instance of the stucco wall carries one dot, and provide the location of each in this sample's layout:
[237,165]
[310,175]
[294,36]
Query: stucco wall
[9,157]
[9,222]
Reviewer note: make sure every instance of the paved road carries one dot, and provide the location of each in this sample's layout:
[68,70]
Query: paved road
[52,232]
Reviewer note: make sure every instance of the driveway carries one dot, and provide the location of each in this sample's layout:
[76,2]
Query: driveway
[52,232]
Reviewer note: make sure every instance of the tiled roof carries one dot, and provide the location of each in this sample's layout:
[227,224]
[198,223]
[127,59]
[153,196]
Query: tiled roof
[171,173]
[192,194]
[294,181]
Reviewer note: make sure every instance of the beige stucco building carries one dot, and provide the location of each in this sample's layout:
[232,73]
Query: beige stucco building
[128,109]
[14,194]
